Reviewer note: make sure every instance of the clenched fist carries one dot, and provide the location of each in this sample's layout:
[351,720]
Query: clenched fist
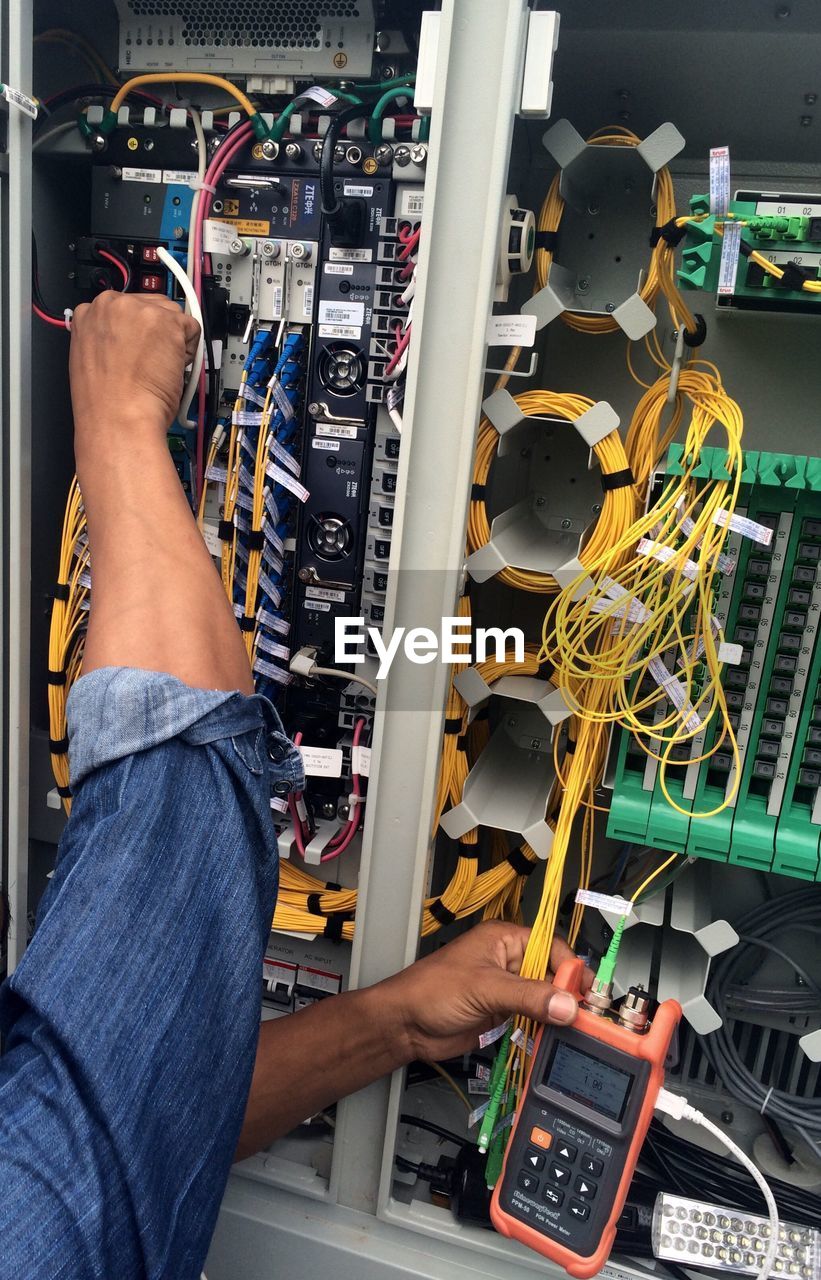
[128,356]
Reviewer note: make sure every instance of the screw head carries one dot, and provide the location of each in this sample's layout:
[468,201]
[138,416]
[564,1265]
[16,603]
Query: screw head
[540,501]
[727,1117]
[328,809]
[383,154]
[383,41]
[293,151]
[402,156]
[98,142]
[535,743]
[610,306]
[179,233]
[623,95]
[596,509]
[388,71]
[567,524]
[418,153]
[236,246]
[270,149]
[318,150]
[805,121]
[783,11]
[810,99]
[339,153]
[512,722]
[583,285]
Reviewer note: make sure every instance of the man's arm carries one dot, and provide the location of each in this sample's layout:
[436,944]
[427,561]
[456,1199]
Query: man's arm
[433,1010]
[158,603]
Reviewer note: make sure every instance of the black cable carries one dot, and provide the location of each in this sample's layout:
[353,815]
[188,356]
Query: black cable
[416,1122]
[212,406]
[690,1170]
[331,205]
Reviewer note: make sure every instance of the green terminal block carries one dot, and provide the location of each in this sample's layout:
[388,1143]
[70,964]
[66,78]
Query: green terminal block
[770,606]
[785,229]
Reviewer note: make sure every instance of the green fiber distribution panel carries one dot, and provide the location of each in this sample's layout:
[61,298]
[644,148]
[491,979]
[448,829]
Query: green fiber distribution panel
[786,229]
[770,606]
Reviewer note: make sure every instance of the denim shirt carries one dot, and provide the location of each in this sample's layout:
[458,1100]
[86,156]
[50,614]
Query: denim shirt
[131,1022]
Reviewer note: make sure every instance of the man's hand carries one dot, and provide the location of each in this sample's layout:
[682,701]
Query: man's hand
[128,354]
[443,1002]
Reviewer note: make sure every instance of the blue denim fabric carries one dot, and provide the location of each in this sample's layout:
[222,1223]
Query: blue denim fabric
[131,1023]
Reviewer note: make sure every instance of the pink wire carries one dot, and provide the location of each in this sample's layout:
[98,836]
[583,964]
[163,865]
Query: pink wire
[219,163]
[397,355]
[348,832]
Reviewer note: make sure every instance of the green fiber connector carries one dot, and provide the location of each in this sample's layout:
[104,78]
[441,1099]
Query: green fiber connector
[495,1160]
[607,964]
[763,228]
[700,204]
[496,1089]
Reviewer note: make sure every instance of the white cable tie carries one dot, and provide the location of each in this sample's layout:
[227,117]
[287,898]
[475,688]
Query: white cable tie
[68,316]
[199,184]
[354,800]
[767,1097]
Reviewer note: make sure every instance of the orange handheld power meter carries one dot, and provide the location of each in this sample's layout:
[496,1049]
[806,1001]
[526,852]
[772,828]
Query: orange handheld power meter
[584,1115]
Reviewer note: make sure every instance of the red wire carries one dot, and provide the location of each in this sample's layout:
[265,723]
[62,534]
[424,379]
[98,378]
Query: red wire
[341,841]
[401,345]
[47,319]
[121,267]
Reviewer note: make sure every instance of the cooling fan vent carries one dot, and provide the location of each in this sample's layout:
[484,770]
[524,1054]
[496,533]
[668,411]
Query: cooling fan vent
[277,24]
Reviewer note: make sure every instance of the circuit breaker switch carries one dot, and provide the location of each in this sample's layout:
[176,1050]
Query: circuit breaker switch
[634,1011]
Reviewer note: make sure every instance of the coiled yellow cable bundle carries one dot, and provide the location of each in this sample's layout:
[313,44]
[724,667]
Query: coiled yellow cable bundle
[660,277]
[617,502]
[654,598]
[67,631]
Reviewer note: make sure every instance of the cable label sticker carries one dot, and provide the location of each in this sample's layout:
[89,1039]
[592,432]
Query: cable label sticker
[248,393]
[518,1038]
[336,429]
[282,455]
[351,189]
[270,589]
[246,418]
[477,1085]
[321,762]
[219,475]
[333,445]
[178,177]
[16,98]
[604,902]
[361,761]
[476,1116]
[663,553]
[282,402]
[496,1033]
[675,692]
[317,94]
[272,647]
[719,181]
[338,269]
[741,524]
[287,481]
[211,538]
[730,253]
[270,620]
[278,674]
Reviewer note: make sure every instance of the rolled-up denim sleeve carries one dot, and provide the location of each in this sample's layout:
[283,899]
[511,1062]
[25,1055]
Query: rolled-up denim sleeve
[131,1023]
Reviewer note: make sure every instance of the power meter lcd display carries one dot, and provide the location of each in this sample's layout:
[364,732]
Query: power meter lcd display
[588,1080]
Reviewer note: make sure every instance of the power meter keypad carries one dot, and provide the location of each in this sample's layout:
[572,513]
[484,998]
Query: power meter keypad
[565,1165]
